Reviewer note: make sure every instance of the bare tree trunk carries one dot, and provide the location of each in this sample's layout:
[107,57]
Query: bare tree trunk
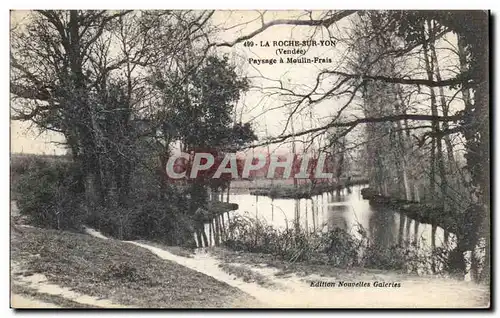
[217,231]
[204,236]
[210,232]
[198,238]
[223,227]
[435,127]
[415,230]
[407,233]
[402,150]
[417,223]
[476,133]
[402,220]
[440,158]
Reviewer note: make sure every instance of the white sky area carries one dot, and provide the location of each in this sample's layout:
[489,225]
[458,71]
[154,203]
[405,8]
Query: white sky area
[259,107]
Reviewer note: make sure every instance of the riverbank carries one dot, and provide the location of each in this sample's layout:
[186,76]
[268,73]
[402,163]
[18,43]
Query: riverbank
[303,191]
[421,212]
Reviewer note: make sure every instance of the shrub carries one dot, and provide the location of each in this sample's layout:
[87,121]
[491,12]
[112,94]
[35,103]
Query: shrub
[337,247]
[392,257]
[43,188]
[44,195]
[341,247]
[151,218]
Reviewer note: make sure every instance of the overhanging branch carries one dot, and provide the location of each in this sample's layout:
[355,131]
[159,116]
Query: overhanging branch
[319,22]
[403,80]
[351,124]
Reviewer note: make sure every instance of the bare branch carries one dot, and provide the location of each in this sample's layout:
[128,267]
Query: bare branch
[353,123]
[405,81]
[320,22]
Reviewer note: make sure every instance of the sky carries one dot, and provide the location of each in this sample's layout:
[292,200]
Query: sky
[258,106]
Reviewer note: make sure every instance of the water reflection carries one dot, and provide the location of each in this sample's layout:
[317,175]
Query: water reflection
[345,209]
[337,217]
[382,227]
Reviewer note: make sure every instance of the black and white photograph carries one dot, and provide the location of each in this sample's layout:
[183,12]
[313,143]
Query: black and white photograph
[240,159]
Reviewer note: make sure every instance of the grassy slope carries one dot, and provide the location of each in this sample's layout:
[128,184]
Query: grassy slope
[119,271]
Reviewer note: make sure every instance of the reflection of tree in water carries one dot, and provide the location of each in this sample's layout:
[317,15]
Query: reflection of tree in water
[382,228]
[337,197]
[337,217]
[297,215]
[314,210]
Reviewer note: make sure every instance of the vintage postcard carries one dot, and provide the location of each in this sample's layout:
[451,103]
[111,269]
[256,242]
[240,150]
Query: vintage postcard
[250,159]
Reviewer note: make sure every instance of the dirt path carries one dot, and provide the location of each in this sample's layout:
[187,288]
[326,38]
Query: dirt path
[209,266]
[294,291]
[39,284]
[21,302]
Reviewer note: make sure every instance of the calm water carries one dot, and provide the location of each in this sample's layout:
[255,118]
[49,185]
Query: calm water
[348,211]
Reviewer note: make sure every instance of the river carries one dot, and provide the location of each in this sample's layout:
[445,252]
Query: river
[347,210]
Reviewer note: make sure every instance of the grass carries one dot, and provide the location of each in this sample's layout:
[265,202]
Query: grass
[303,268]
[119,271]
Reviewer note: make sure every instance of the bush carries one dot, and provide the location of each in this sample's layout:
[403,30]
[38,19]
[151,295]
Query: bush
[393,258]
[44,194]
[337,247]
[162,220]
[43,188]
[149,217]
[341,247]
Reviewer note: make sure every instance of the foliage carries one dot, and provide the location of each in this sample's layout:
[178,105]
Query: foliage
[336,248]
[147,215]
[46,194]
[203,119]
[163,85]
[385,258]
